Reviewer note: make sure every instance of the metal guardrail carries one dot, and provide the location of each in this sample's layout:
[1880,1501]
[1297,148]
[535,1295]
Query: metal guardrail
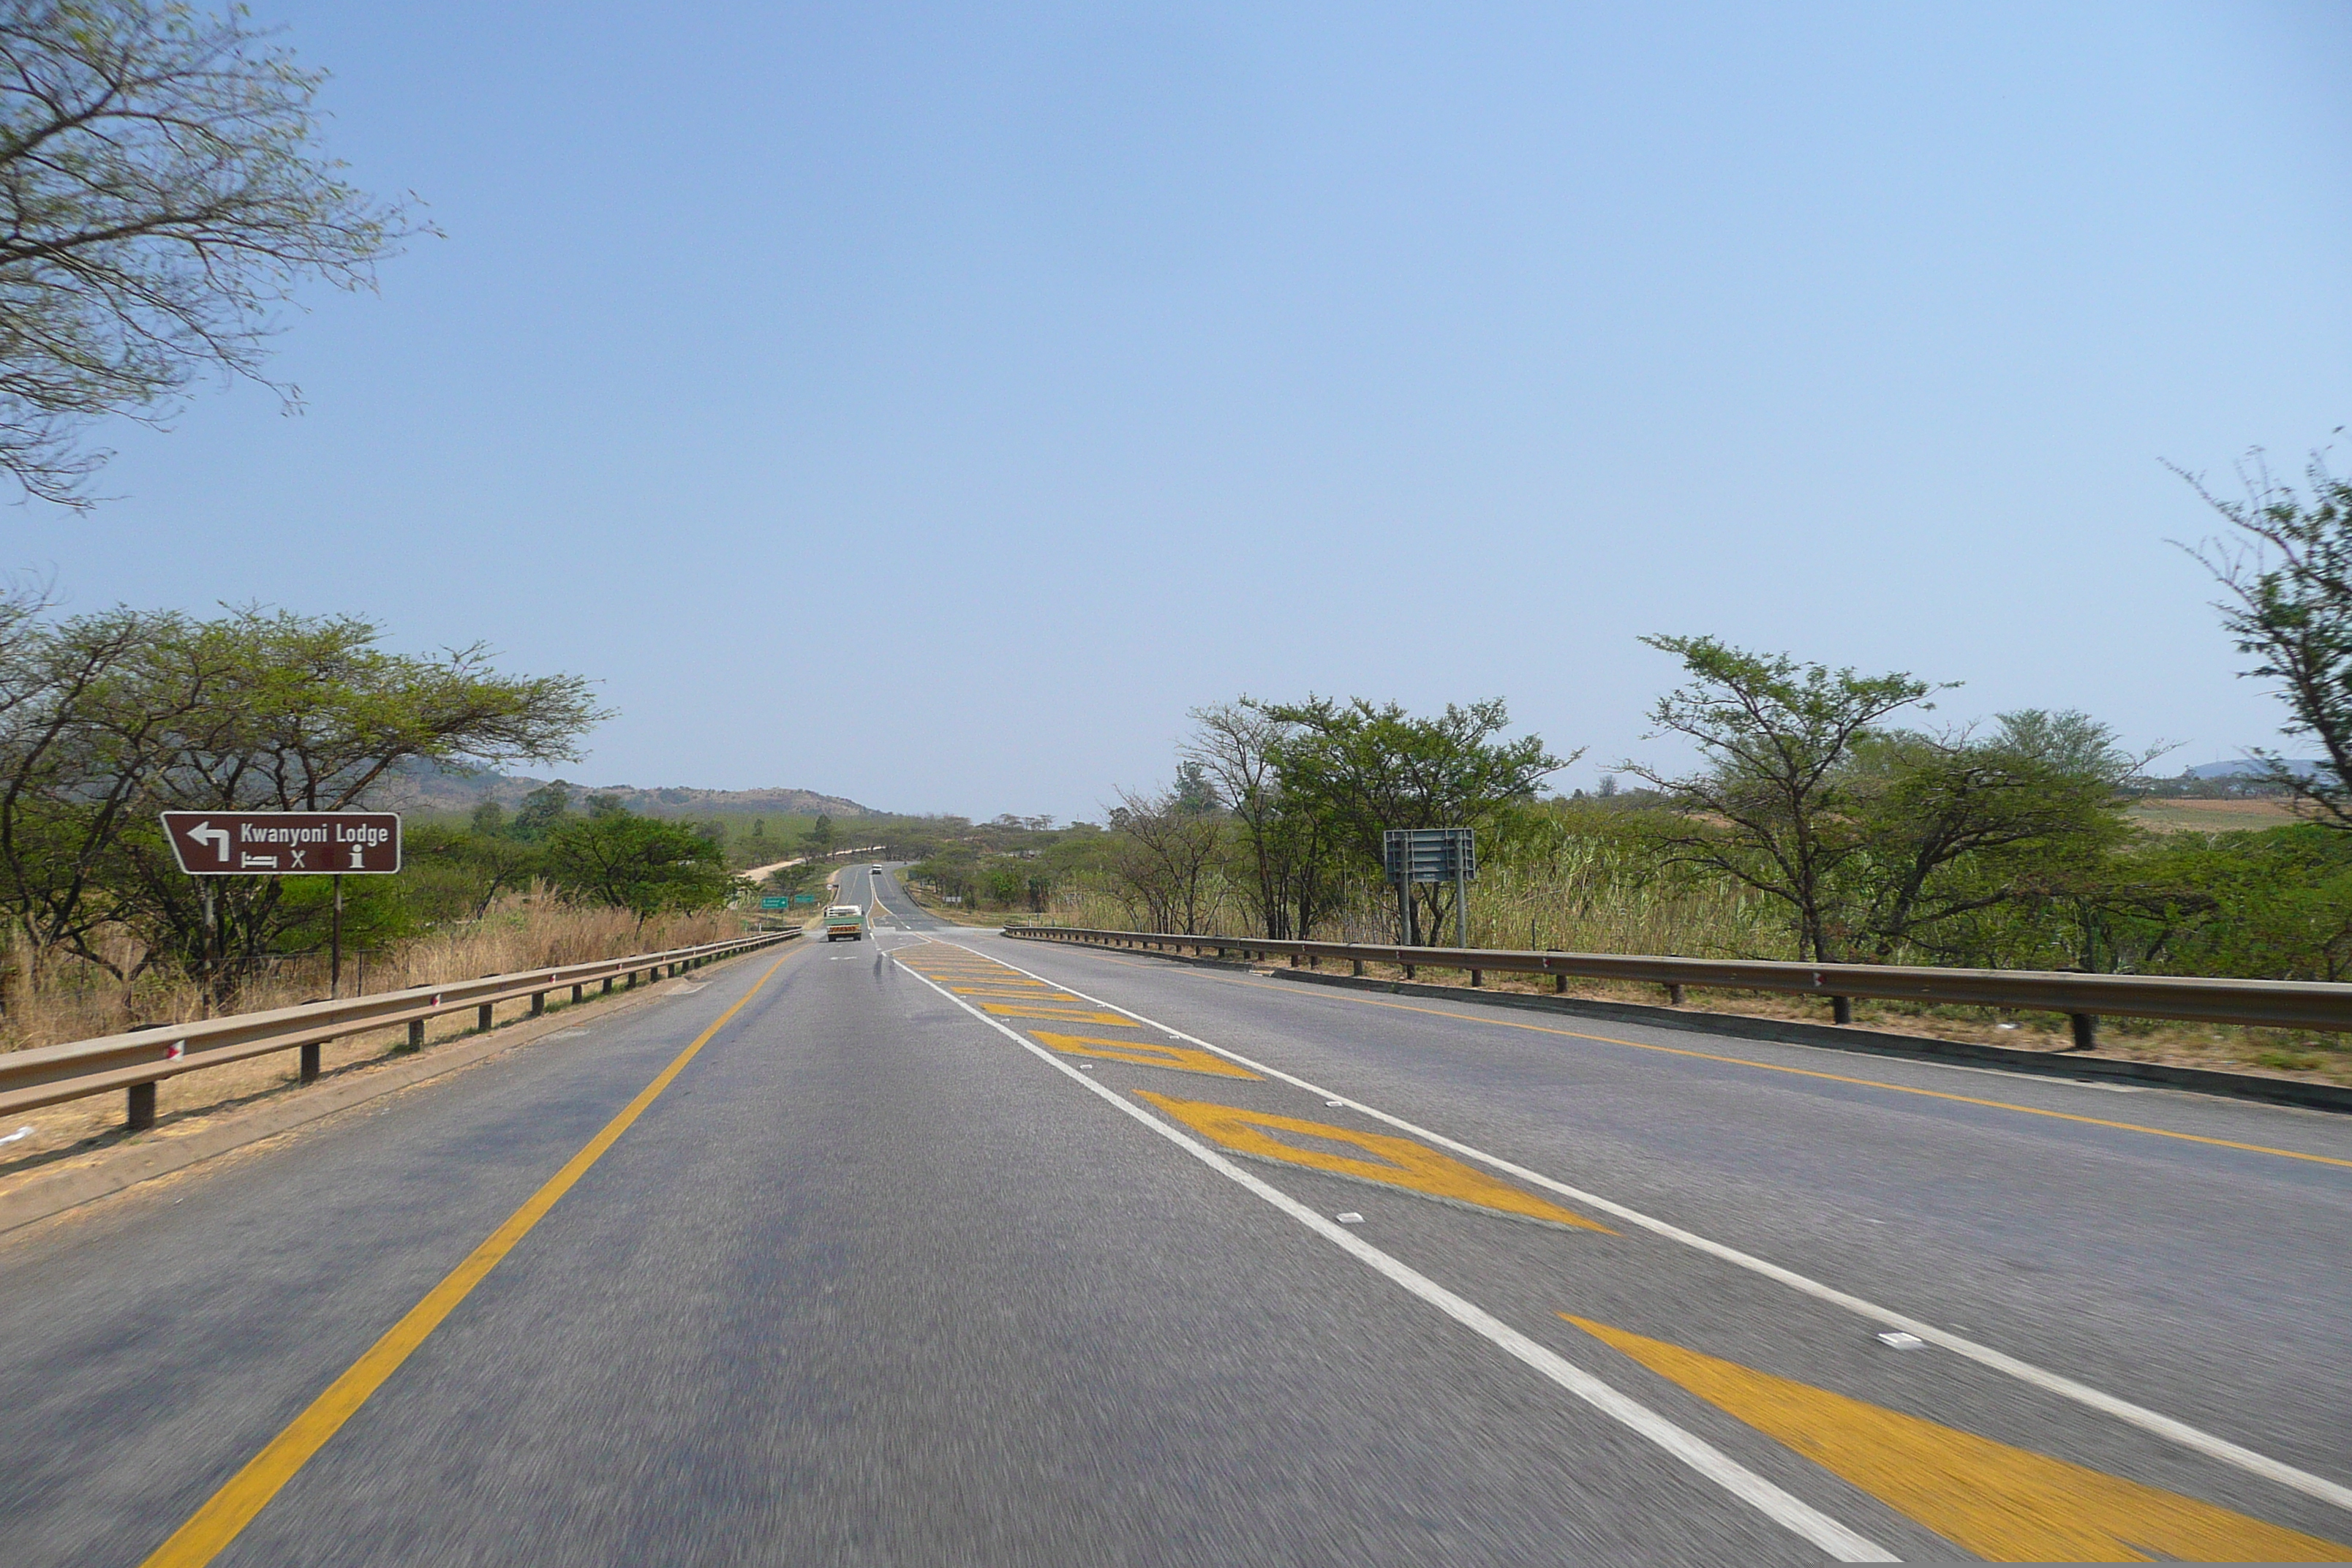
[2085,998]
[136,1062]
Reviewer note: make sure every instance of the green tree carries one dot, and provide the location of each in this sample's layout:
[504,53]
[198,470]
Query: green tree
[162,193]
[1163,857]
[1945,827]
[541,811]
[2288,576]
[1774,806]
[641,864]
[818,840]
[126,714]
[2277,904]
[461,875]
[1291,869]
[789,878]
[1361,770]
[87,708]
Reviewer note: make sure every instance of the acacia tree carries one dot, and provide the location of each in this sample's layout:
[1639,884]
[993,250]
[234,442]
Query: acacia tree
[255,710]
[1361,770]
[1949,827]
[2287,577]
[641,864]
[1291,871]
[1163,855]
[162,193]
[1774,807]
[85,708]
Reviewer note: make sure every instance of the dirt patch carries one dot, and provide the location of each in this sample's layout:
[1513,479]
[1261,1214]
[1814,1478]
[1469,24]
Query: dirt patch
[2212,816]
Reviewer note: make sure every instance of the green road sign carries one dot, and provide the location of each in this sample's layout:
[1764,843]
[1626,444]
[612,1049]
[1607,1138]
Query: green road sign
[780,903]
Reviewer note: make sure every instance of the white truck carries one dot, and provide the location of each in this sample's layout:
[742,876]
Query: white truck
[845,921]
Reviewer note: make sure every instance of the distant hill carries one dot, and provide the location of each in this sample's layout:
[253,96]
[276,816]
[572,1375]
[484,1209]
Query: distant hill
[428,788]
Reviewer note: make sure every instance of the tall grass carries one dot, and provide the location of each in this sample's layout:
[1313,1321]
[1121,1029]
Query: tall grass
[1588,895]
[73,999]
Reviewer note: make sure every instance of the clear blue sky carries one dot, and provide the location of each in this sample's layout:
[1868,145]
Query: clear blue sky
[930,404]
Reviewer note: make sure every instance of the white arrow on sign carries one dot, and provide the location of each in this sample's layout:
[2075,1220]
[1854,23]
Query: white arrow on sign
[204,830]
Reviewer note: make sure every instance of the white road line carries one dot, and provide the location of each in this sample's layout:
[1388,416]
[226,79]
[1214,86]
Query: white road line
[1782,1508]
[2152,1421]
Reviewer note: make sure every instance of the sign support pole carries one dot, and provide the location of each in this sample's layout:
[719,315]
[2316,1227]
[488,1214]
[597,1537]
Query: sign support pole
[212,933]
[1461,898]
[335,951]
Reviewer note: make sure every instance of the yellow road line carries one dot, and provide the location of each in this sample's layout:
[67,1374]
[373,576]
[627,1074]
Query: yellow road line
[2002,1503]
[1394,1162]
[1833,1077]
[212,1527]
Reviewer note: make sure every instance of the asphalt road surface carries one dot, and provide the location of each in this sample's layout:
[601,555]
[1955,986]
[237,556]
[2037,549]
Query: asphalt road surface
[945,1248]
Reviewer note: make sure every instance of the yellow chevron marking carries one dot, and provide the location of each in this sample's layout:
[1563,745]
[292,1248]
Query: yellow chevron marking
[2004,1504]
[1394,1162]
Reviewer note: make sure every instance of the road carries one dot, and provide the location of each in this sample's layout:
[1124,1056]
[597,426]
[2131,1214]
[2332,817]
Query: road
[945,1248]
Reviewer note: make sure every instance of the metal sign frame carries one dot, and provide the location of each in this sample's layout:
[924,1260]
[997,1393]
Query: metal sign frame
[1412,855]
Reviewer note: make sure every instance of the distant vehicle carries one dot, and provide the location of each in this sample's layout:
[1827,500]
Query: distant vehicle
[844,919]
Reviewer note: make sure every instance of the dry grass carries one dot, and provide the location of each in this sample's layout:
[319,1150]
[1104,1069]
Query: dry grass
[1586,904]
[79,1000]
[2212,816]
[526,932]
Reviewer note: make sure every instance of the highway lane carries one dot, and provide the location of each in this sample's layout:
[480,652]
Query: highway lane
[886,1275]
[2209,1278]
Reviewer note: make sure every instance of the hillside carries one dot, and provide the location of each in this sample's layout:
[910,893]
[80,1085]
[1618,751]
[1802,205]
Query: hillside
[429,789]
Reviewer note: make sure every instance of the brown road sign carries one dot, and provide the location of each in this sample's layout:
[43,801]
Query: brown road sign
[285,843]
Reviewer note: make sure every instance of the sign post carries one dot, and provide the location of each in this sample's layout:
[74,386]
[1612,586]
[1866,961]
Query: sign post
[335,843]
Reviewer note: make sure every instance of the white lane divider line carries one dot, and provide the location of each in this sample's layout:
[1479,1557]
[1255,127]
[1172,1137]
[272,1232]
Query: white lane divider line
[1783,1508]
[2156,1422]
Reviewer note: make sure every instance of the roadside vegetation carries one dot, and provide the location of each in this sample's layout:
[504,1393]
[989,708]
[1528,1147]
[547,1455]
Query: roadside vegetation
[1833,815]
[108,718]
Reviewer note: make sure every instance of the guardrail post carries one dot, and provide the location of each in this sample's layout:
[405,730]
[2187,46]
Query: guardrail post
[578,993]
[1408,972]
[1841,1009]
[140,1113]
[1358,967]
[482,1018]
[1560,985]
[1478,977]
[310,1062]
[2086,1030]
[1673,994]
[416,1034]
[608,986]
[538,1003]
[628,984]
